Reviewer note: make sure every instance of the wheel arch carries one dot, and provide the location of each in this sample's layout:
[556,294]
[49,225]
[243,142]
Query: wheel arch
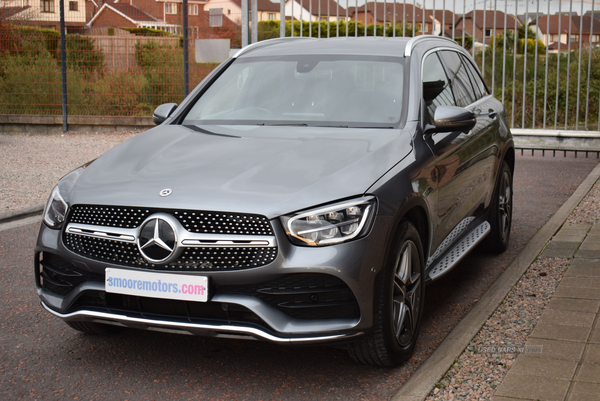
[509,157]
[415,211]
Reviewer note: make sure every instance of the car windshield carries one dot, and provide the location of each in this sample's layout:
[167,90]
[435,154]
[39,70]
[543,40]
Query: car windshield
[315,90]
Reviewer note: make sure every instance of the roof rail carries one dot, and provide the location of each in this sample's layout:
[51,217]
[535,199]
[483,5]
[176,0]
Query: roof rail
[265,43]
[413,42]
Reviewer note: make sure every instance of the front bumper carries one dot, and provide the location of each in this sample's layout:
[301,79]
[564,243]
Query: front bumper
[229,313]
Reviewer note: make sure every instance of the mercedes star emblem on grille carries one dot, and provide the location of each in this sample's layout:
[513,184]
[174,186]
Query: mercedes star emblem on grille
[166,192]
[157,240]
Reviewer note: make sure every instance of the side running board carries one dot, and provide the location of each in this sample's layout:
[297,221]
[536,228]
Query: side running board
[458,251]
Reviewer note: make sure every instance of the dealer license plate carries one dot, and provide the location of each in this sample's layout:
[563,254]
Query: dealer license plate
[156,285]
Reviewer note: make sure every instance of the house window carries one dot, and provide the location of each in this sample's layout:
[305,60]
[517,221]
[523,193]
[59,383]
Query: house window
[170,8]
[271,16]
[215,17]
[47,6]
[488,33]
[73,6]
[193,9]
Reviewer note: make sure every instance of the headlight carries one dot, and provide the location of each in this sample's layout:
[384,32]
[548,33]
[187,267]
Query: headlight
[55,210]
[332,224]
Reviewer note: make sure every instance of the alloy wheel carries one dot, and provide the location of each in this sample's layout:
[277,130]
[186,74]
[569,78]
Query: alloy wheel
[505,205]
[407,294]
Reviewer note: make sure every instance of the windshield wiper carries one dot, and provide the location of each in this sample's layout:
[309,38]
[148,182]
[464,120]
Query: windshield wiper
[198,129]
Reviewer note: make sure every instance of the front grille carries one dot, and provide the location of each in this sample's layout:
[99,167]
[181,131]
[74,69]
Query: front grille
[192,258]
[196,221]
[303,296]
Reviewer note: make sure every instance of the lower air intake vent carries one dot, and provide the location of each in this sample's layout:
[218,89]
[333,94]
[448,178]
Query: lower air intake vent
[304,296]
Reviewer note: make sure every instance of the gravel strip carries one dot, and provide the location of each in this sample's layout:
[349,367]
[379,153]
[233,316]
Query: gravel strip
[26,180]
[588,210]
[480,369]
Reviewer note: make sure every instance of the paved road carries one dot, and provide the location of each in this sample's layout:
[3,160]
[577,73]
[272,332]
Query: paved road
[41,357]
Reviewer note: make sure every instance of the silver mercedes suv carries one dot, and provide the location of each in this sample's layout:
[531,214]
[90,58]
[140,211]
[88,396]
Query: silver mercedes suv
[305,192]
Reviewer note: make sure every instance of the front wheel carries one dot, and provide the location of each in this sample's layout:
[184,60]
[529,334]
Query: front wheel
[501,213]
[401,295]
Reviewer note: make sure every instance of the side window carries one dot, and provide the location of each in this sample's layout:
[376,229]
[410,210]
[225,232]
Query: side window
[436,86]
[459,78]
[478,83]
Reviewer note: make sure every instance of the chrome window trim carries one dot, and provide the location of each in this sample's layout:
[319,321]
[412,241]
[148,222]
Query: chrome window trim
[438,49]
[414,41]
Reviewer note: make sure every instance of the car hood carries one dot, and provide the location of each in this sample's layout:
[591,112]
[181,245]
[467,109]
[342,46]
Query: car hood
[265,170]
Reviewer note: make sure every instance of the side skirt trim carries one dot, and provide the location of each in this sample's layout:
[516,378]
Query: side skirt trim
[459,251]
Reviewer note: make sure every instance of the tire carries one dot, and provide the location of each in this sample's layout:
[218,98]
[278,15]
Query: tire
[400,304]
[94,328]
[500,218]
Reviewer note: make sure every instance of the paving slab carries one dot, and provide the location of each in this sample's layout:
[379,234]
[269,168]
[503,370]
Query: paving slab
[558,253]
[582,282]
[595,337]
[584,392]
[557,349]
[583,271]
[592,354]
[568,318]
[587,254]
[591,244]
[576,292]
[590,263]
[561,332]
[578,305]
[553,368]
[533,387]
[589,372]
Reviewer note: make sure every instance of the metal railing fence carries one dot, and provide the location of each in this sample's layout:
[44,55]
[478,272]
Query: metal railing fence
[542,64]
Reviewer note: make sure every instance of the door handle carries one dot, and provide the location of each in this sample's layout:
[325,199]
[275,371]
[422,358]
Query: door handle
[492,113]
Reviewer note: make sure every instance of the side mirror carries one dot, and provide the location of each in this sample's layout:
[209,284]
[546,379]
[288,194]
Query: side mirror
[450,118]
[163,112]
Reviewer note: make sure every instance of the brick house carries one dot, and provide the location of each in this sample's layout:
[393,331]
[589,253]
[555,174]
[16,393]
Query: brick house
[44,13]
[443,19]
[166,15]
[313,10]
[547,30]
[404,13]
[483,22]
[232,10]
